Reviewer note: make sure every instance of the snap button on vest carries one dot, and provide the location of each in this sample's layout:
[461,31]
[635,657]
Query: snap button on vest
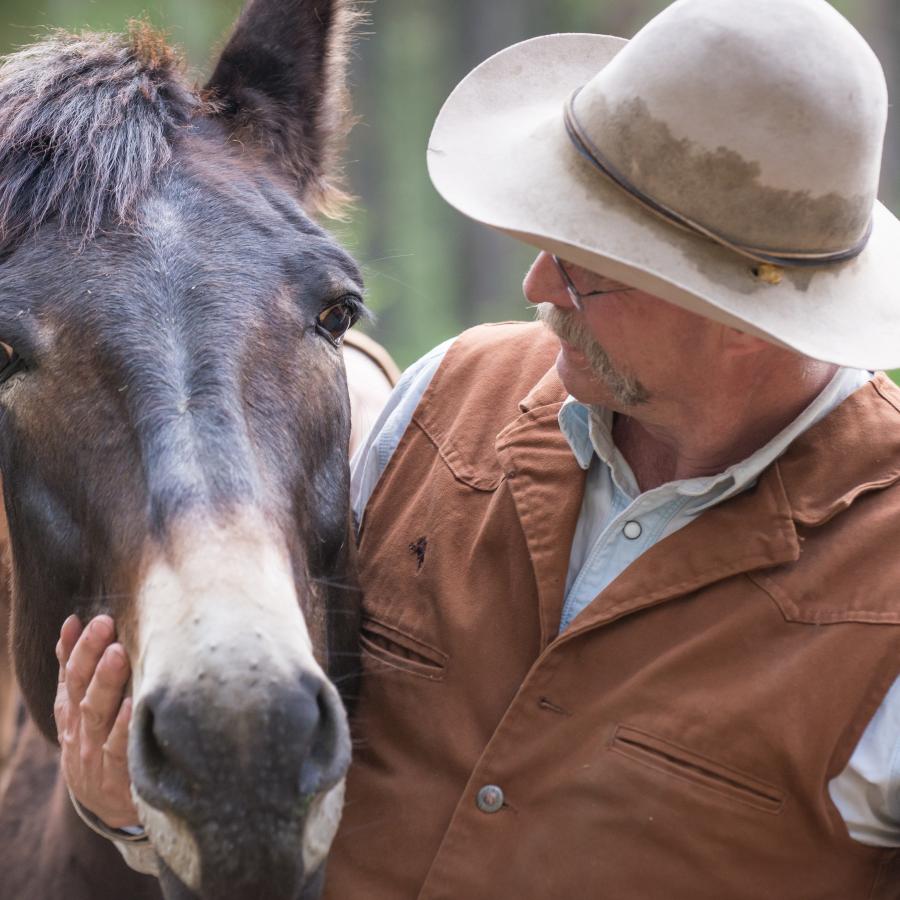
[632,530]
[490,799]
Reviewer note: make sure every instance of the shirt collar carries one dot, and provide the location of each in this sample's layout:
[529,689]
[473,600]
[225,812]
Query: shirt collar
[588,431]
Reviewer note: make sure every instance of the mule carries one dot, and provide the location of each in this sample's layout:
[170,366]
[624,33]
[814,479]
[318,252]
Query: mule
[174,434]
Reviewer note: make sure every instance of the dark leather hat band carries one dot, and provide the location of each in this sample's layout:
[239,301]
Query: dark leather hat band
[589,151]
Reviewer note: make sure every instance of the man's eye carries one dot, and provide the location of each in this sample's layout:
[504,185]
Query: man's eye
[10,362]
[337,320]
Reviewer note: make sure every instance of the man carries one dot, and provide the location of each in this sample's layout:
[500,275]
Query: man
[631,615]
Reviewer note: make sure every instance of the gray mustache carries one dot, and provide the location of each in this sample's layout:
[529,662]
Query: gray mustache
[626,389]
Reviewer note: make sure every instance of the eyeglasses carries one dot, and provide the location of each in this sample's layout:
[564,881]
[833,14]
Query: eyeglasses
[575,295]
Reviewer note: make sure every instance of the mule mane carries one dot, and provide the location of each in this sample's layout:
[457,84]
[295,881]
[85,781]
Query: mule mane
[87,122]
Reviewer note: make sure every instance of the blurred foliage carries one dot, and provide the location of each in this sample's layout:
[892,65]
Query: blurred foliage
[430,272]
[196,25]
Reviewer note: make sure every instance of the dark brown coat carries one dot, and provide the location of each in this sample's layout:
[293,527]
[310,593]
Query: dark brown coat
[8,693]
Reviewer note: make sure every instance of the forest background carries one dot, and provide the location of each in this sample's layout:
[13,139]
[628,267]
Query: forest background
[430,273]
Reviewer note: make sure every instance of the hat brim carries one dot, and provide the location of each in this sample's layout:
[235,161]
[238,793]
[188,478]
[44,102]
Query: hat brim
[500,154]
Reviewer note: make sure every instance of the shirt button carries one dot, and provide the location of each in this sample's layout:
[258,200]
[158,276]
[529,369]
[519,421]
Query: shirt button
[490,799]
[632,530]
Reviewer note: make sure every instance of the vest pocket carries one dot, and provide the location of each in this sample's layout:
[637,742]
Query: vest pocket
[673,760]
[394,648]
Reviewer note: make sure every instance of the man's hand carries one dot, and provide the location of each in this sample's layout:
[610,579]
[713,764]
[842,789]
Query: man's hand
[92,719]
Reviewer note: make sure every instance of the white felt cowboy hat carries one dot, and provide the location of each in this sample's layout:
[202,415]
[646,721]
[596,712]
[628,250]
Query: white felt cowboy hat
[725,159]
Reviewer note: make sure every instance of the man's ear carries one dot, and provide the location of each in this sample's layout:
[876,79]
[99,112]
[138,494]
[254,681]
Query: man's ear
[280,84]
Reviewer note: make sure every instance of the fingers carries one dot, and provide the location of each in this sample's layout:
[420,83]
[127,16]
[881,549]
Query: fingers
[85,656]
[115,779]
[103,697]
[92,718]
[68,635]
[116,747]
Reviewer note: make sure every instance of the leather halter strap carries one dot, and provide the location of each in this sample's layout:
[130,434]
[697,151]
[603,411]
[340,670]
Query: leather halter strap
[585,146]
[375,352]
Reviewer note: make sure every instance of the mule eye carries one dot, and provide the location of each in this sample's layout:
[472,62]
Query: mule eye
[10,362]
[337,320]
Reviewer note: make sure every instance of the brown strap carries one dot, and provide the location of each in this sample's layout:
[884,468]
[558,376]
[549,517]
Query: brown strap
[139,836]
[592,154]
[374,351]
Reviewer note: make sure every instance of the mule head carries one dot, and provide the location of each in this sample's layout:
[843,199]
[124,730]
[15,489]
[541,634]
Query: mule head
[175,422]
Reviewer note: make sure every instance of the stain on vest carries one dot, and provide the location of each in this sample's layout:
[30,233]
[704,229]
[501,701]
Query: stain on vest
[418,548]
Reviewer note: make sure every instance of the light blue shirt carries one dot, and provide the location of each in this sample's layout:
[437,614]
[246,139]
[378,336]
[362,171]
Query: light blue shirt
[618,523]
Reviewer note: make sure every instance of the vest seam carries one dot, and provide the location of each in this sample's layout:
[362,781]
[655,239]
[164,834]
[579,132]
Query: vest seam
[879,386]
[844,502]
[881,683]
[453,460]
[791,611]
[536,415]
[838,760]
[681,589]
[481,475]
[847,739]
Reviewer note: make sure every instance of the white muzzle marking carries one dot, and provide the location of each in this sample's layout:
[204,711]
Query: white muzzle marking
[221,614]
[321,827]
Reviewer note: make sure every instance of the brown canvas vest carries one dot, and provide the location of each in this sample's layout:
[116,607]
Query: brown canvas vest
[678,739]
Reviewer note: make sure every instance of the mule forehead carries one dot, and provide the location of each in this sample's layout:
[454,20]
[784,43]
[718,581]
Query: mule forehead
[208,302]
[212,225]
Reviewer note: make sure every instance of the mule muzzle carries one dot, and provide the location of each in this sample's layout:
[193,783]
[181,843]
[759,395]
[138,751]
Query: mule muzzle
[241,775]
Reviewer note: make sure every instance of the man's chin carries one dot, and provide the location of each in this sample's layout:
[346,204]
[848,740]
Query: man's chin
[586,384]
[577,377]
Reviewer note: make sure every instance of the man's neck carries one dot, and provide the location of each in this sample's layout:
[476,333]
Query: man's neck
[723,430]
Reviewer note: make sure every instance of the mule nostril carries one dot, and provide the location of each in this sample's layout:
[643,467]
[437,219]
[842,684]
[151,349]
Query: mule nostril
[157,765]
[152,754]
[323,745]
[328,757]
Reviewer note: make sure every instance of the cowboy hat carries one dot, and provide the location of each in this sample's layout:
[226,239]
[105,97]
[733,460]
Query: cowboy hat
[725,159]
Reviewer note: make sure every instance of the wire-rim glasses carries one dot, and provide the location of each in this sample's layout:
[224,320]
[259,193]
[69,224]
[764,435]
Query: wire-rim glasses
[575,295]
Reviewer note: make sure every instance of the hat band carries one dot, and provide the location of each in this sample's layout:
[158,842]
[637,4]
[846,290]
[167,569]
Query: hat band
[592,154]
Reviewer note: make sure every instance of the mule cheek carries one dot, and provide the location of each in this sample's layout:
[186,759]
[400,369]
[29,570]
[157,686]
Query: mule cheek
[43,580]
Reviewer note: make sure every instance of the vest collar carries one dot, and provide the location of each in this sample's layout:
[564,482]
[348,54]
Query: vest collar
[854,450]
[754,530]
[549,390]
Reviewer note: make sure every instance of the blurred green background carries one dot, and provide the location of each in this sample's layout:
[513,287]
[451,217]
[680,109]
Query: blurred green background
[430,272]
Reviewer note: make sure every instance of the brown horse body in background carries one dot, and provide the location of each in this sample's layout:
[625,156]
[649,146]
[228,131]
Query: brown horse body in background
[174,427]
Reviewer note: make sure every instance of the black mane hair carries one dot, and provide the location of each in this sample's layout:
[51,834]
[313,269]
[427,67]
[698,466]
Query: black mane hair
[87,122]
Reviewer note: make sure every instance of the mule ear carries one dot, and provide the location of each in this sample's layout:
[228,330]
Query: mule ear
[280,84]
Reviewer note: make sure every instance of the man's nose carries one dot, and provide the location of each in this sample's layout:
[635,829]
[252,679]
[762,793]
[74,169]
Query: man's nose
[543,283]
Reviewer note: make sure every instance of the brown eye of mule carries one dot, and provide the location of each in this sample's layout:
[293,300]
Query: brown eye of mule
[337,320]
[10,362]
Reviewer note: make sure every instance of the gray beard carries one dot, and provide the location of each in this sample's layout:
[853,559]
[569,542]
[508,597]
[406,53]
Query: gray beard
[626,390]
